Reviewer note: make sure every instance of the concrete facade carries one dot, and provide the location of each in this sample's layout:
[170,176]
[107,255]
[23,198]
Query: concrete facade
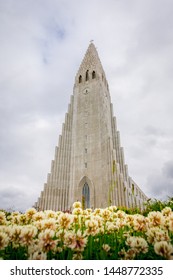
[89,161]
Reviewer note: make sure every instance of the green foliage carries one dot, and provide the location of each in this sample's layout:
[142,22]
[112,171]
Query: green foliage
[157,205]
[130,211]
[14,253]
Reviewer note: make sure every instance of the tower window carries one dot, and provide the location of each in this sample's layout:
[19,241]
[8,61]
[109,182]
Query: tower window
[93,75]
[85,150]
[80,79]
[85,164]
[87,75]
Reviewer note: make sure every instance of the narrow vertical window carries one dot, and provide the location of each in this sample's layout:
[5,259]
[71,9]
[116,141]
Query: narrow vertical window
[80,79]
[87,75]
[133,189]
[86,196]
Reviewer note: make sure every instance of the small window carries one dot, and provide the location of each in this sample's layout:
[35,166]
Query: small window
[80,79]
[87,75]
[93,75]
[133,188]
[85,164]
[85,150]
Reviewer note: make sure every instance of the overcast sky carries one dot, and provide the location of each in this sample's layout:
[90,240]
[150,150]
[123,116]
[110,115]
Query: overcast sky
[42,43]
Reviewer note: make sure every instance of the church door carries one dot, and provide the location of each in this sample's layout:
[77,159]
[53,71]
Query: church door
[85,196]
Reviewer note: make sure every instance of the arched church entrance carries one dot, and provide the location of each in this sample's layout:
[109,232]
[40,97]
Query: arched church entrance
[86,193]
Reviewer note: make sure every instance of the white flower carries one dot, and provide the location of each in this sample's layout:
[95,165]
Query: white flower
[77,204]
[4,240]
[164,249]
[106,247]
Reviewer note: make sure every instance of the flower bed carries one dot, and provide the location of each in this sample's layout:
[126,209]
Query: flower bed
[86,234]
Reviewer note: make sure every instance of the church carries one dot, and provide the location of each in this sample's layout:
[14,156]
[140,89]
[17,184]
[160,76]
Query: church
[89,164]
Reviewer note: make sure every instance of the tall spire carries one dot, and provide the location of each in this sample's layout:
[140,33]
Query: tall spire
[91,61]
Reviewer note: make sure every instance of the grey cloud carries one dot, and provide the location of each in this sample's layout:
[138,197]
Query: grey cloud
[153,131]
[13,199]
[42,45]
[168,170]
[160,183]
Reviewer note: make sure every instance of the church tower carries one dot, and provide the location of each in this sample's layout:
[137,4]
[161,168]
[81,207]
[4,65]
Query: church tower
[89,160]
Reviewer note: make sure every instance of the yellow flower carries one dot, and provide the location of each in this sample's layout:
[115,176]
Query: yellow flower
[170,222]
[112,208]
[27,235]
[77,211]
[89,210]
[77,204]
[38,216]
[75,241]
[15,218]
[98,219]
[137,243]
[59,249]
[65,220]
[38,224]
[50,214]
[30,212]
[4,240]
[14,234]
[166,211]
[156,234]
[38,256]
[2,218]
[130,220]
[129,255]
[110,227]
[139,223]
[22,219]
[164,249]
[97,211]
[15,213]
[106,247]
[49,224]
[121,214]
[35,252]
[155,218]
[91,227]
[46,241]
[77,256]
[106,214]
